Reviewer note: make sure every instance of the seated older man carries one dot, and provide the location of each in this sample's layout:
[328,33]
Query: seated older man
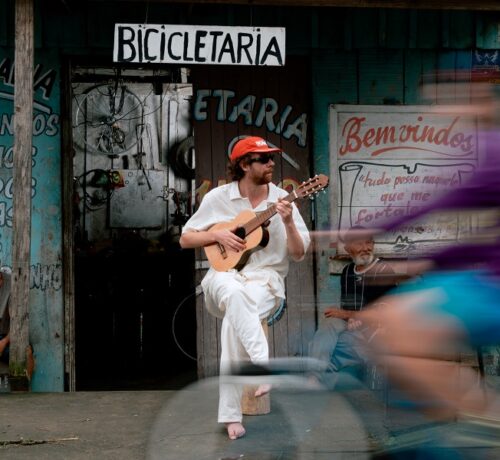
[342,339]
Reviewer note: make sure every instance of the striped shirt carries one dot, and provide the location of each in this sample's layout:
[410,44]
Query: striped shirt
[361,288]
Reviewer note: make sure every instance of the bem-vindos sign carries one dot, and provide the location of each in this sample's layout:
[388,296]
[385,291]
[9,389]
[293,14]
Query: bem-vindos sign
[181,44]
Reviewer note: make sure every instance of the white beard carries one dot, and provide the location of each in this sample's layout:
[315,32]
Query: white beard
[363,260]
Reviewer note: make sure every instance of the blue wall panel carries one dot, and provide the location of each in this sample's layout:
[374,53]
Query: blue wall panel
[46,305]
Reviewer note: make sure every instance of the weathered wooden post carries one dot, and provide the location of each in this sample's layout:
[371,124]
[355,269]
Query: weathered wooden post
[21,219]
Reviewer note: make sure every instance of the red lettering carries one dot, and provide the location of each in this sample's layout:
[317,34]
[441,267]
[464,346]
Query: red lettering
[392,197]
[386,135]
[369,182]
[356,136]
[353,141]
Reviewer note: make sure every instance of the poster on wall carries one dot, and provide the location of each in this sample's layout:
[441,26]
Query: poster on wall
[486,66]
[387,161]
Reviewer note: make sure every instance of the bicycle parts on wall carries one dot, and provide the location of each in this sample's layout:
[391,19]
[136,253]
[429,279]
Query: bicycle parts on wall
[133,166]
[106,119]
[181,158]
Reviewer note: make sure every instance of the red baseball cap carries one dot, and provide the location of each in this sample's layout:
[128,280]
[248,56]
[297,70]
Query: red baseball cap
[251,144]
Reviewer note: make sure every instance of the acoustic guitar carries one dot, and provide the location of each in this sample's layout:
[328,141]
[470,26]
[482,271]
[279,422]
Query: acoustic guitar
[251,228]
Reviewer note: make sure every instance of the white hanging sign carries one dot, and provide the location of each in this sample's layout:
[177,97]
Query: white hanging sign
[388,161]
[181,44]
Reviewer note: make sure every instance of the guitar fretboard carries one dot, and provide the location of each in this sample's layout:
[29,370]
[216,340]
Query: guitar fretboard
[264,216]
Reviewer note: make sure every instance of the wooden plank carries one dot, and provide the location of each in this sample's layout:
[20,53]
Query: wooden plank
[445,29]
[298,33]
[38,30]
[463,64]
[487,31]
[348,30]
[100,20]
[429,66]
[417,4]
[63,29]
[4,22]
[446,75]
[413,76]
[331,25]
[428,33]
[412,29]
[382,28]
[314,29]
[207,327]
[381,77]
[461,29]
[21,222]
[300,277]
[68,263]
[334,80]
[365,29]
[396,35]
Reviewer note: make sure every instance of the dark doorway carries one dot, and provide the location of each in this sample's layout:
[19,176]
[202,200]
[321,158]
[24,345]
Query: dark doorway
[135,319]
[135,297]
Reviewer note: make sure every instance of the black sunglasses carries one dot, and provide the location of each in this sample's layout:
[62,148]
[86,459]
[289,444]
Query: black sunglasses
[263,159]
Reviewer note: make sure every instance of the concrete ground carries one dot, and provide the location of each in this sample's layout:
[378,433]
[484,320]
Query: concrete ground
[303,424]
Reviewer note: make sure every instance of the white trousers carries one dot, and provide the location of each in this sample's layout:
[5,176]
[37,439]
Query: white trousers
[243,304]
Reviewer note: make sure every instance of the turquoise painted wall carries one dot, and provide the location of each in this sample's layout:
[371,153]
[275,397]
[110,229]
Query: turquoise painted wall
[46,306]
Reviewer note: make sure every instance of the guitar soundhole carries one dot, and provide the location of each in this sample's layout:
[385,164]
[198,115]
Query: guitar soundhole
[240,232]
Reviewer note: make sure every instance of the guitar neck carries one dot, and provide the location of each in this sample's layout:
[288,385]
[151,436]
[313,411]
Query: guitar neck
[264,216]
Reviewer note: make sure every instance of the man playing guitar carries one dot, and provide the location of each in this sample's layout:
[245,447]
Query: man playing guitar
[243,296]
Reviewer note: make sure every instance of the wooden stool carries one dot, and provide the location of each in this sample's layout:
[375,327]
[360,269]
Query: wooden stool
[250,405]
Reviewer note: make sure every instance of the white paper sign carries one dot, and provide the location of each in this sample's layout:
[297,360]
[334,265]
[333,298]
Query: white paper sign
[387,161]
[181,44]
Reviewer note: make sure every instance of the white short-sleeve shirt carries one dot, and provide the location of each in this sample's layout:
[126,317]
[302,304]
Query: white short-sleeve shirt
[269,264]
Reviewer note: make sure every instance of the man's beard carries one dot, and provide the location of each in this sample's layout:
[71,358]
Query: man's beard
[263,179]
[364,260]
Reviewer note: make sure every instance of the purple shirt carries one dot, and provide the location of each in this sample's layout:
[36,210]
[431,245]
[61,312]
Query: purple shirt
[482,191]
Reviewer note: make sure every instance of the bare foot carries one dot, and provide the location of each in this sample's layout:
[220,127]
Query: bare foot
[262,390]
[235,430]
[313,383]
